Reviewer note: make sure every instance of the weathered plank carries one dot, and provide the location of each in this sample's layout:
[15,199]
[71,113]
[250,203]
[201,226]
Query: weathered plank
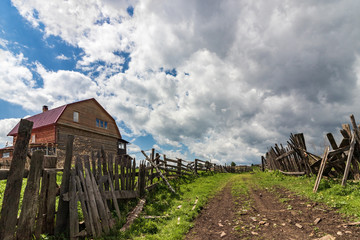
[26,226]
[161,175]
[103,213]
[62,217]
[134,214]
[51,202]
[322,166]
[115,203]
[41,218]
[89,225]
[116,174]
[90,195]
[348,161]
[11,198]
[73,213]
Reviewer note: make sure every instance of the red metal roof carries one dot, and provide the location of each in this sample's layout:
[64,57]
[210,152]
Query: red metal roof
[42,119]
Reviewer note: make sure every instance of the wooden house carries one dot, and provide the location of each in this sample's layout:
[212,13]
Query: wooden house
[87,120]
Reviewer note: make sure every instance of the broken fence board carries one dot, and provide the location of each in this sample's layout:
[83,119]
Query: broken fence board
[26,226]
[73,212]
[348,161]
[62,217]
[11,198]
[134,214]
[321,169]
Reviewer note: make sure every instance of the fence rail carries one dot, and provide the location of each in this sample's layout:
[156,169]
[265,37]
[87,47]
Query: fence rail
[98,183]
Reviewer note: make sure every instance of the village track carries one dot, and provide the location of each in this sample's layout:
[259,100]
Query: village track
[275,213]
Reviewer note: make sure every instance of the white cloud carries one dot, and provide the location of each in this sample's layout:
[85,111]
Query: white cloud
[6,125]
[62,57]
[248,73]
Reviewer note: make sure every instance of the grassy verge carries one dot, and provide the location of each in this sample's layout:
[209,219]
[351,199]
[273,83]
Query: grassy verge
[163,203]
[330,192]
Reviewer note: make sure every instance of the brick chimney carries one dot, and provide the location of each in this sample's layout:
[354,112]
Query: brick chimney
[45,108]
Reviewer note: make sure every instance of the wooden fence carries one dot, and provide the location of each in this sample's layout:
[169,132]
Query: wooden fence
[340,162]
[98,183]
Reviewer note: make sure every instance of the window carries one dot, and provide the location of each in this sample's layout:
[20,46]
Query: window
[6,155]
[101,123]
[121,145]
[76,117]
[33,138]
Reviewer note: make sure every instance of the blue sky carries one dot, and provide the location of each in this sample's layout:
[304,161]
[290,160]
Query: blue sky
[219,80]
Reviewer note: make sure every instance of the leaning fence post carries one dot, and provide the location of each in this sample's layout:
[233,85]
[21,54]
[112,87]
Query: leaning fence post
[11,199]
[62,218]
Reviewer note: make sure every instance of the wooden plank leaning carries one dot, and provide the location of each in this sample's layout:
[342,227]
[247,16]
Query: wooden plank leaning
[348,161]
[26,226]
[356,159]
[62,218]
[134,214]
[11,198]
[158,171]
[91,203]
[85,209]
[73,212]
[115,202]
[321,169]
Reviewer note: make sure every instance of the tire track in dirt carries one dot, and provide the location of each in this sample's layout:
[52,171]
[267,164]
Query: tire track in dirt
[280,214]
[216,220]
[274,213]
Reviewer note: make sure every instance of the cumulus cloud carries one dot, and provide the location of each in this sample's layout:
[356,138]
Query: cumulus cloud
[226,79]
[6,125]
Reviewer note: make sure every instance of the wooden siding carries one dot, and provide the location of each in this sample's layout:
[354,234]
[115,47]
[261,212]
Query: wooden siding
[84,142]
[89,111]
[42,135]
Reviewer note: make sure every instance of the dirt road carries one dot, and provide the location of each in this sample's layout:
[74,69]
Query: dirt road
[269,214]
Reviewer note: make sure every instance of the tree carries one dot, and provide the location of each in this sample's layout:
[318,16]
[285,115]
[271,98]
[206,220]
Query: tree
[233,164]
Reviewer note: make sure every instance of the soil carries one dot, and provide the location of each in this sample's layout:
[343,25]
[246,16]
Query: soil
[273,213]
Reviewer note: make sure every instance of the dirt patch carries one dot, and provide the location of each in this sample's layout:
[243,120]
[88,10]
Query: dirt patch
[269,214]
[216,220]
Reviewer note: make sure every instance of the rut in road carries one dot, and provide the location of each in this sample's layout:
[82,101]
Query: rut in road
[274,213]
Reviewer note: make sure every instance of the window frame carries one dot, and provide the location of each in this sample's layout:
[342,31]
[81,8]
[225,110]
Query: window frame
[76,116]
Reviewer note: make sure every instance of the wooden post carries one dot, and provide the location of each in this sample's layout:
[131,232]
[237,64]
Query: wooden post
[157,163]
[11,198]
[196,167]
[321,169]
[73,212]
[50,202]
[142,179]
[157,170]
[26,226]
[348,161]
[62,218]
[152,156]
[262,163]
[179,167]
[165,166]
[50,161]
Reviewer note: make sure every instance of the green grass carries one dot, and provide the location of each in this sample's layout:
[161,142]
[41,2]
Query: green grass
[162,202]
[344,199]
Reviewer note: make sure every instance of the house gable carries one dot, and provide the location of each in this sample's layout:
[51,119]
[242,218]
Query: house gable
[89,115]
